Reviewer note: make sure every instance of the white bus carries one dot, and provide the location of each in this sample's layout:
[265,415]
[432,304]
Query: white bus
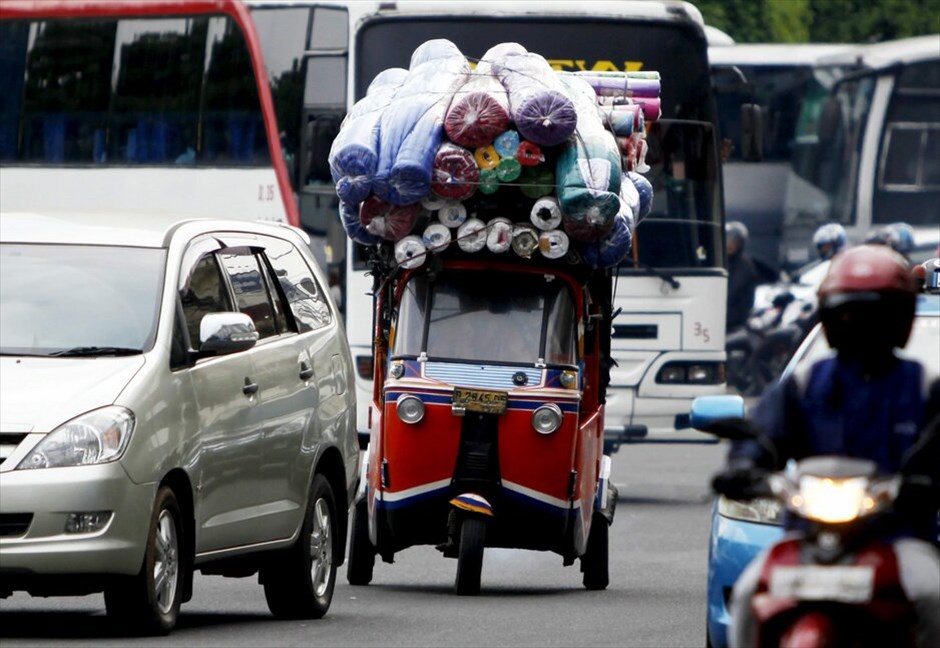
[782,78]
[129,107]
[668,340]
[872,157]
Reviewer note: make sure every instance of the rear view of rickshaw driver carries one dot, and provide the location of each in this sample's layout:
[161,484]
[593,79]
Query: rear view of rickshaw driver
[829,240]
[866,402]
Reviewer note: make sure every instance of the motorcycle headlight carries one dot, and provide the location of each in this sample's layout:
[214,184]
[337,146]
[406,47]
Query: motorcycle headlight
[547,418]
[832,500]
[93,438]
[761,510]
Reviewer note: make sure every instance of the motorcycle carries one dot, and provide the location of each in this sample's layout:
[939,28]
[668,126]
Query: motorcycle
[836,582]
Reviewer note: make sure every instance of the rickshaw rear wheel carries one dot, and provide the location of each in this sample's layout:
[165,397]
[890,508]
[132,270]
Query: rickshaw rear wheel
[470,556]
[594,562]
[361,560]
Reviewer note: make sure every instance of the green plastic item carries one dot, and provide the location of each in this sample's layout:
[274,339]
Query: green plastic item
[537,181]
[508,169]
[489,182]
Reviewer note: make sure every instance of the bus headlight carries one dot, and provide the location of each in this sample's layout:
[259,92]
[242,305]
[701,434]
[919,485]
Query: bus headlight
[691,373]
[410,408]
[547,418]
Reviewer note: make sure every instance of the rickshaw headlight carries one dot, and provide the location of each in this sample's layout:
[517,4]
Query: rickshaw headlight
[410,408]
[397,369]
[547,418]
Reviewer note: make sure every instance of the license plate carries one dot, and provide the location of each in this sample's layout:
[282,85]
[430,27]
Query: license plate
[852,584]
[481,400]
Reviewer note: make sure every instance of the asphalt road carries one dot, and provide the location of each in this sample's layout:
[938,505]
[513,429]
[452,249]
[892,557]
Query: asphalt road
[656,595]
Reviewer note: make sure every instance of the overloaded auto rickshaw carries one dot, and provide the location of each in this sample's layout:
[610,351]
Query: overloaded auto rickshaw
[493,205]
[487,425]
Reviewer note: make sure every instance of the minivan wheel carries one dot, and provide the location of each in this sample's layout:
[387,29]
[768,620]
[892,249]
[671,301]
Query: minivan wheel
[361,562]
[298,582]
[149,603]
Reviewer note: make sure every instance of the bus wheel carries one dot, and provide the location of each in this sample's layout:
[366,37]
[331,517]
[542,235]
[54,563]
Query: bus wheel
[595,559]
[470,556]
[149,603]
[361,552]
[298,582]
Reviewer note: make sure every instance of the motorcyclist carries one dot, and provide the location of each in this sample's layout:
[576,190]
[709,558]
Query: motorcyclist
[743,276]
[864,402]
[829,240]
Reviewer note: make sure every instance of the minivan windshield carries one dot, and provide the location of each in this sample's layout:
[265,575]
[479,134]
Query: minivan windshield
[481,316]
[78,299]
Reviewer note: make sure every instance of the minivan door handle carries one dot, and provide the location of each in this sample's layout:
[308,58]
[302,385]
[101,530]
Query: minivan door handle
[250,388]
[306,372]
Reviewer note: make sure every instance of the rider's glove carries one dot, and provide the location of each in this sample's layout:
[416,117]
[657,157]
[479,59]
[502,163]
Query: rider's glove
[740,481]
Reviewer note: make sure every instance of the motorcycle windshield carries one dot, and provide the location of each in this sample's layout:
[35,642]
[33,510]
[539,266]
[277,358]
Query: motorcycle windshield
[485,317]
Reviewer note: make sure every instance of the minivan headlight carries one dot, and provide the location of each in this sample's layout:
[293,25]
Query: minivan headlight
[93,438]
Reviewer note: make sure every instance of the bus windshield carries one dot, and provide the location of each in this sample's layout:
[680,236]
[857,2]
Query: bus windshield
[684,228]
[155,91]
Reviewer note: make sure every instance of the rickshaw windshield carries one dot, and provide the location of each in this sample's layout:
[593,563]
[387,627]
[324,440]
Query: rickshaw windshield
[484,316]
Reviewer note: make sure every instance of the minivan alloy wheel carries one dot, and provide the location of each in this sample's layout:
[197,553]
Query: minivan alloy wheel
[321,547]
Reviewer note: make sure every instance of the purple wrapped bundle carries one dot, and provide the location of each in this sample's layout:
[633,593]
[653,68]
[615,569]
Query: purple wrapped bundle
[613,247]
[538,103]
[412,127]
[355,151]
[622,84]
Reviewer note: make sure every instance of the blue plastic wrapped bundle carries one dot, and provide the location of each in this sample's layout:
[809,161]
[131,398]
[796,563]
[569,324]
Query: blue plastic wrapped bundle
[613,247]
[645,189]
[538,101]
[355,151]
[412,126]
[587,173]
[349,215]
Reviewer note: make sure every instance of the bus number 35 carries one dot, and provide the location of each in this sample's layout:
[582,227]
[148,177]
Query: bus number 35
[265,192]
[702,332]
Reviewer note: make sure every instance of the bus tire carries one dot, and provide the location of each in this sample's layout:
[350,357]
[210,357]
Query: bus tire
[470,556]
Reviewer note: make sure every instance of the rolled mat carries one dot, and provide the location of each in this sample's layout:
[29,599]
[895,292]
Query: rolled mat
[545,213]
[499,235]
[525,240]
[471,236]
[529,154]
[452,213]
[436,237]
[507,143]
[410,252]
[553,244]
[611,249]
[455,175]
[391,222]
[349,215]
[479,110]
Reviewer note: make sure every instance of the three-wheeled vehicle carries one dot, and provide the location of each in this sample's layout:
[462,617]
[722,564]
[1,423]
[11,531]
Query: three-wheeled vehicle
[487,421]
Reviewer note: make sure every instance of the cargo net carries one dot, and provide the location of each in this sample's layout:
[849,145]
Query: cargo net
[508,156]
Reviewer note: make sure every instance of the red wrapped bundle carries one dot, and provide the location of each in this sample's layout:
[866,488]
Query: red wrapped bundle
[391,222]
[479,111]
[455,174]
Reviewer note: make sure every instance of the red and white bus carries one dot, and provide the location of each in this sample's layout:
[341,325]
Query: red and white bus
[126,106]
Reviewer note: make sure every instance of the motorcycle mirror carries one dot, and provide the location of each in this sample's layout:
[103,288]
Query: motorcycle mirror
[721,415]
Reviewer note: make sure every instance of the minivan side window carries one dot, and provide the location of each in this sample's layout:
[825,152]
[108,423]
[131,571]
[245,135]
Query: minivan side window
[204,293]
[304,295]
[251,289]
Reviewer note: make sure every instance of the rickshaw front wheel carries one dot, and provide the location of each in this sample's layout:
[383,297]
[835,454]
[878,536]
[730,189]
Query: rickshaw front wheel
[594,562]
[470,556]
[361,559]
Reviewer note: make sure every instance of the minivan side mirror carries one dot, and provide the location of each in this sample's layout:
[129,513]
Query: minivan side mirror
[224,333]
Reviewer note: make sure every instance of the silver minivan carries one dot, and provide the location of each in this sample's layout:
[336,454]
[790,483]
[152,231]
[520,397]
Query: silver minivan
[174,396]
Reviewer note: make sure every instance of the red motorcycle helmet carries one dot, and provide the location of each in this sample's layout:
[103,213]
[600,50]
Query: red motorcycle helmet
[867,301]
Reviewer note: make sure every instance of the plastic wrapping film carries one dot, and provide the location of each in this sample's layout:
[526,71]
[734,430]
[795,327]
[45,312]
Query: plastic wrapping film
[391,222]
[538,101]
[455,174]
[479,110]
[587,174]
[354,153]
[645,191]
[545,213]
[436,237]
[452,213]
[471,236]
[411,127]
[613,247]
[499,235]
[410,252]
[349,215]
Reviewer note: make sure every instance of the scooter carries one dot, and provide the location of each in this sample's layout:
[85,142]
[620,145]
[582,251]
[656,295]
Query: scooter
[837,582]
